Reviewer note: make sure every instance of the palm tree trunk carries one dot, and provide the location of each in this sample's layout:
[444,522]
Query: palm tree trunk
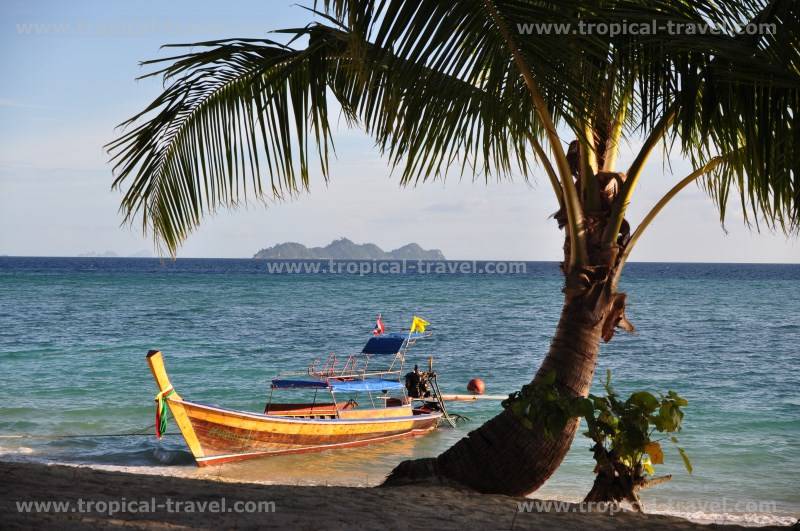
[503,456]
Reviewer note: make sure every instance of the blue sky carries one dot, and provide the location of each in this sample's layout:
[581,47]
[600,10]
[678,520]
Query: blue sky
[69,78]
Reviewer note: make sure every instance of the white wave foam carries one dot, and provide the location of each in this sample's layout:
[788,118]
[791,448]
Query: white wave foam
[743,519]
[16,450]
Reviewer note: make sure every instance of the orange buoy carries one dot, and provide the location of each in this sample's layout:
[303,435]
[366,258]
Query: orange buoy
[476,386]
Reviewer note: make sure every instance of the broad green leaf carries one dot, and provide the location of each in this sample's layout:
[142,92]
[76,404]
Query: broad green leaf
[644,400]
[680,401]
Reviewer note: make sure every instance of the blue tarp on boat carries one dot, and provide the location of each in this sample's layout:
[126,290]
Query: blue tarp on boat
[348,386]
[385,344]
[373,384]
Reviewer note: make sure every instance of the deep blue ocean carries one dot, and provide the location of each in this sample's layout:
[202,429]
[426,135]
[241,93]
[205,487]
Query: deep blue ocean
[74,333]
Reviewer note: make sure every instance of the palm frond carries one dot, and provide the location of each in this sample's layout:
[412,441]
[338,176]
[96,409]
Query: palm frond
[756,122]
[229,115]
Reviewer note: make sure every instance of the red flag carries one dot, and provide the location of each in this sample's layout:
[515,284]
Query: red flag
[379,327]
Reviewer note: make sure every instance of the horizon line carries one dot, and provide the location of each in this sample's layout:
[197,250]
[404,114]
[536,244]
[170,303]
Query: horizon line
[167,258]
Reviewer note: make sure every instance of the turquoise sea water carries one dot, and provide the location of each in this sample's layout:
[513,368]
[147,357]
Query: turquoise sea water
[74,333]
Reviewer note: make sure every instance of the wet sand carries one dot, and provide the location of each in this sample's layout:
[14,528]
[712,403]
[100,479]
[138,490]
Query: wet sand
[163,502]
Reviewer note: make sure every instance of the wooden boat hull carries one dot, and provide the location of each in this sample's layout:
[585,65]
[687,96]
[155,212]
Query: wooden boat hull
[225,435]
[216,435]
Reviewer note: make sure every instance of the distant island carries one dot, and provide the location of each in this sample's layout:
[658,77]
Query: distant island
[344,249]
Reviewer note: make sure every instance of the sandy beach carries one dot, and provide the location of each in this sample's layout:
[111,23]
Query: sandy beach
[81,497]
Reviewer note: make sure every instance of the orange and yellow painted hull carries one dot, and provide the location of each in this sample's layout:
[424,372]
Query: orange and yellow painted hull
[216,435]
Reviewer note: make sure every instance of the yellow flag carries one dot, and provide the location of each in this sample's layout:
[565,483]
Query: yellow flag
[418,324]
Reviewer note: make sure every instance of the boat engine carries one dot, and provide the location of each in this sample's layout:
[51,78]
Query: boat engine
[417,383]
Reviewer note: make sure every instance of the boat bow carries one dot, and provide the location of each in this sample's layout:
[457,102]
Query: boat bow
[174,401]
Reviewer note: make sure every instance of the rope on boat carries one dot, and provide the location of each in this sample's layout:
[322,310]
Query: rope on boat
[161,411]
[438,393]
[139,433]
[459,418]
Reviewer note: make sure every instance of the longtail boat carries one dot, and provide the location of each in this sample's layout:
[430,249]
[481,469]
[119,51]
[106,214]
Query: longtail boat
[216,435]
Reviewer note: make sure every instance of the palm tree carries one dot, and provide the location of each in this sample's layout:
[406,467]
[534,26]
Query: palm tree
[445,84]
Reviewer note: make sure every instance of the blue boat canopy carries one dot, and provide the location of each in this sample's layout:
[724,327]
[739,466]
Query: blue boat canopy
[373,384]
[348,386]
[384,344]
[389,343]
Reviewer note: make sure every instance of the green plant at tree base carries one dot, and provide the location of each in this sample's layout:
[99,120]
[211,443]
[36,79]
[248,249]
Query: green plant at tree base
[623,431]
[544,405]
[625,445]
